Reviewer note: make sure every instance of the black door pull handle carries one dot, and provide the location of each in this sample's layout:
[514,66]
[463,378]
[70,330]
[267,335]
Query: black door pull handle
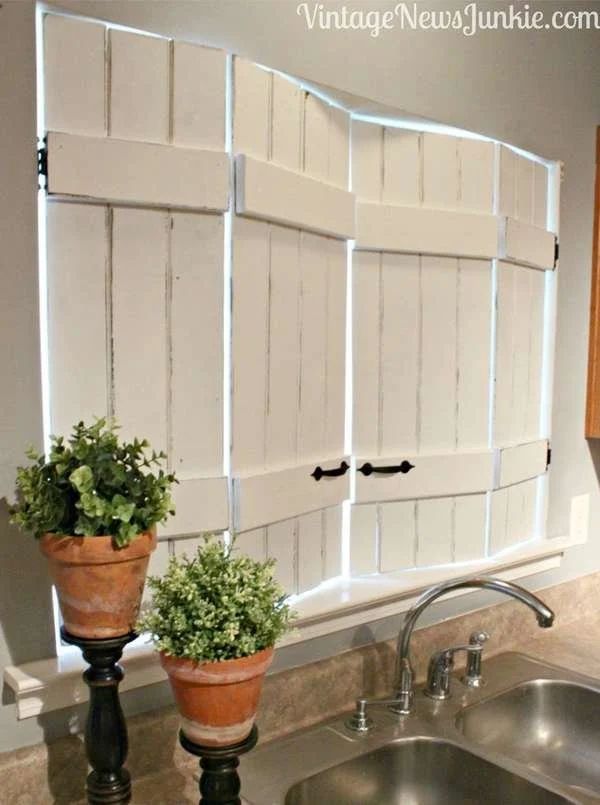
[319,472]
[368,469]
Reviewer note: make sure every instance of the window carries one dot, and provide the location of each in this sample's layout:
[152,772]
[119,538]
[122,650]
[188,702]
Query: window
[338,329]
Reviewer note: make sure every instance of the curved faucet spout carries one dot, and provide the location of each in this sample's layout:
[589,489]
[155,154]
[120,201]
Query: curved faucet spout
[404,670]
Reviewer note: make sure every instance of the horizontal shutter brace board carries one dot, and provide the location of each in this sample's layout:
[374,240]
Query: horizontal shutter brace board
[270,497]
[142,174]
[271,193]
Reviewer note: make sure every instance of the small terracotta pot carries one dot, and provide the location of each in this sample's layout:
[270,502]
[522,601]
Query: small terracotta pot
[217,700]
[99,586]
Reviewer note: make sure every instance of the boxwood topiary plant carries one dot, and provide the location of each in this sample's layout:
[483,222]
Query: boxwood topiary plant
[94,485]
[218,605]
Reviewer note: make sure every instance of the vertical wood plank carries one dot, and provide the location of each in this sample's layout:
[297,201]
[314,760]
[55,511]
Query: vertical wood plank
[335,403]
[157,566]
[250,272]
[499,511]
[367,160]
[311,408]
[474,344]
[522,308]
[139,87]
[531,491]
[198,96]
[540,195]
[140,253]
[516,526]
[440,170]
[524,189]
[339,147]
[366,351]
[253,544]
[74,75]
[363,539]
[469,527]
[434,531]
[476,175]
[283,349]
[332,544]
[286,142]
[316,137]
[400,322]
[282,546]
[503,385]
[520,517]
[77,339]
[438,361]
[536,346]
[397,535]
[252,109]
[401,167]
[197,344]
[310,548]
[507,183]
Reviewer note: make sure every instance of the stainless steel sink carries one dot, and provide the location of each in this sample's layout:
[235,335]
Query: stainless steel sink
[419,771]
[551,725]
[531,735]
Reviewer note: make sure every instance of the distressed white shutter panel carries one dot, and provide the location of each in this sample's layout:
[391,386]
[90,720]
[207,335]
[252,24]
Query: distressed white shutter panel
[424,353]
[135,293]
[289,310]
[148,107]
[522,205]
[521,294]
[421,192]
[292,152]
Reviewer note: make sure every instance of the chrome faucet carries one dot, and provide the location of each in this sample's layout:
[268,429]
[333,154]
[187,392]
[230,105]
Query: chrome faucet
[404,670]
[440,667]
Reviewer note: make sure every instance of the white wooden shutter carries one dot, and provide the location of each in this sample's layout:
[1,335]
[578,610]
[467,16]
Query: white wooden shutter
[427,340]
[289,312]
[448,320]
[521,301]
[136,292]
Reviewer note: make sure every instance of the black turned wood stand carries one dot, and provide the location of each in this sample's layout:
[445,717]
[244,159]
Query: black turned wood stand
[105,731]
[219,780]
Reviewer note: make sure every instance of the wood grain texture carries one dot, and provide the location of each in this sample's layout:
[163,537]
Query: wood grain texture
[198,96]
[592,417]
[139,87]
[140,240]
[78,276]
[272,193]
[117,171]
[74,75]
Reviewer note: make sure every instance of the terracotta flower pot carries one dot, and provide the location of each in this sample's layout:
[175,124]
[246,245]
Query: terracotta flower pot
[217,700]
[99,586]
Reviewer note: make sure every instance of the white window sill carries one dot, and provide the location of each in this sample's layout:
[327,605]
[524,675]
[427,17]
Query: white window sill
[51,684]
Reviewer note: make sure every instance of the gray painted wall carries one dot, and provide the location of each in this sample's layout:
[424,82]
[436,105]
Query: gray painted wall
[538,90]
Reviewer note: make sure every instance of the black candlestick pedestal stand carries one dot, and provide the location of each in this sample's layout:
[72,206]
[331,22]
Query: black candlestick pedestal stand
[105,732]
[219,781]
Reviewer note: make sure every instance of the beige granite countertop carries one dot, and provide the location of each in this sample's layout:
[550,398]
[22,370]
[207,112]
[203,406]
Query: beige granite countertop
[164,774]
[574,645]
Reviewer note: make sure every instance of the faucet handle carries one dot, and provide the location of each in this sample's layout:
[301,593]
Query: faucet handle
[473,677]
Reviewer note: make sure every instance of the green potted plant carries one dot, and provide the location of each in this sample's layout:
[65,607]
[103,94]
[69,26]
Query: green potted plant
[93,503]
[215,619]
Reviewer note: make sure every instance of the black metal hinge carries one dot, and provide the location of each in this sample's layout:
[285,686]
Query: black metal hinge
[42,161]
[548,456]
[556,251]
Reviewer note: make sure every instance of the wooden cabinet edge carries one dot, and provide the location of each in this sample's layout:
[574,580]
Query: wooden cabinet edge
[592,418]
